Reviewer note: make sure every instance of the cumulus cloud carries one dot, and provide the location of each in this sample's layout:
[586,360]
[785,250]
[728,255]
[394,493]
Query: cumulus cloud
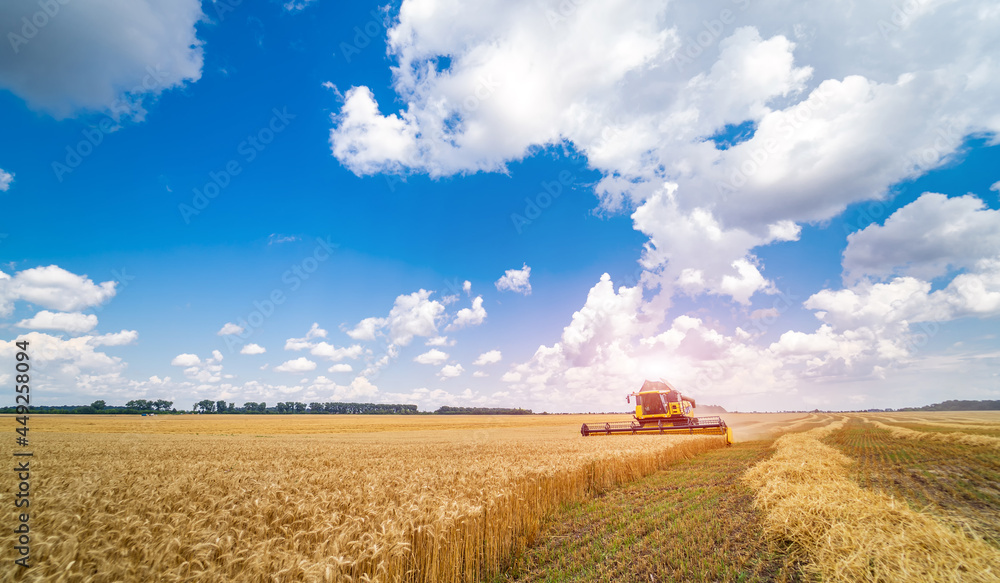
[414,315]
[114,339]
[229,328]
[5,179]
[473,316]
[490,357]
[52,287]
[104,55]
[343,367]
[450,371]
[308,340]
[433,356]
[72,322]
[359,388]
[926,239]
[626,85]
[186,359]
[253,349]
[516,280]
[331,352]
[366,329]
[299,365]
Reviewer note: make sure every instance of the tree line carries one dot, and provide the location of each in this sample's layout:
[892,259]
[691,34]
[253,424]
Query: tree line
[100,407]
[446,410]
[295,407]
[208,406]
[955,405]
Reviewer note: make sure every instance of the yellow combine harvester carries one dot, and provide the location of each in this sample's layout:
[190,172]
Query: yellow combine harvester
[660,408]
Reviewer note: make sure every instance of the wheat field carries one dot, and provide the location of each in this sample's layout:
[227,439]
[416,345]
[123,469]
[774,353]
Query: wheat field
[310,498]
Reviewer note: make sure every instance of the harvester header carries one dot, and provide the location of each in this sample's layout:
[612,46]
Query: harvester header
[662,409]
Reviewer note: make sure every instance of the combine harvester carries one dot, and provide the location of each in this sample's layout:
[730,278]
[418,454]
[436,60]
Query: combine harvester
[660,408]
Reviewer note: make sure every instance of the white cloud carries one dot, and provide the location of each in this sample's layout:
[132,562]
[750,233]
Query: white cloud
[473,316]
[439,341]
[72,322]
[626,85]
[114,339]
[276,239]
[412,315]
[186,360]
[367,328]
[331,352]
[926,239]
[315,332]
[5,179]
[480,374]
[230,328]
[253,349]
[299,365]
[52,287]
[102,55]
[360,388]
[343,367]
[297,5]
[450,371]
[73,367]
[307,341]
[995,186]
[433,356]
[516,280]
[490,357]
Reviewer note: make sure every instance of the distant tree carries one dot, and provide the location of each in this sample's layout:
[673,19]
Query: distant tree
[206,405]
[86,410]
[315,407]
[300,407]
[220,407]
[231,408]
[98,405]
[262,407]
[250,407]
[162,405]
[281,408]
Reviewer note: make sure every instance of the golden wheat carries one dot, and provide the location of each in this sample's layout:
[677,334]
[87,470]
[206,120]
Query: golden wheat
[456,503]
[847,533]
[950,437]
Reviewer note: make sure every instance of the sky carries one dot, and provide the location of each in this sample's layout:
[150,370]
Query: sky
[518,203]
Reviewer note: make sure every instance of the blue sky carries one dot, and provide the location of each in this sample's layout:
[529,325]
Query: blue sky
[794,208]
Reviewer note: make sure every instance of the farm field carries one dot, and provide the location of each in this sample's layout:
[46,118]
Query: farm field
[692,521]
[323,498]
[465,498]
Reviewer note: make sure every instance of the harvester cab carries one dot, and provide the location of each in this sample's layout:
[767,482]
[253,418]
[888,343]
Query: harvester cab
[661,409]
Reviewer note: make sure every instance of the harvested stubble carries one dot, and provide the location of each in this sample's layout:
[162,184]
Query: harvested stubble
[950,437]
[846,533]
[435,506]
